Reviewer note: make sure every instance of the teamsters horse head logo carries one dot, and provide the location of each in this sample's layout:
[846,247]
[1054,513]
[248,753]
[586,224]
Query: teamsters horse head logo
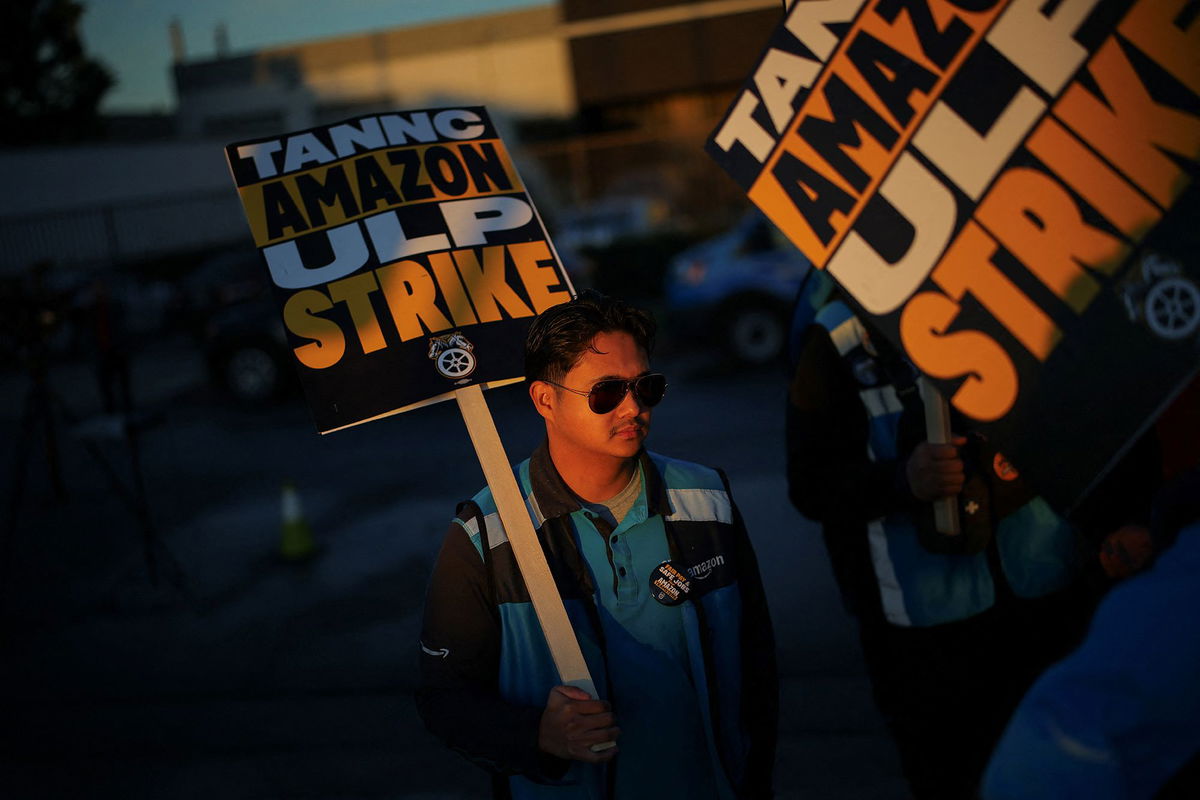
[452,355]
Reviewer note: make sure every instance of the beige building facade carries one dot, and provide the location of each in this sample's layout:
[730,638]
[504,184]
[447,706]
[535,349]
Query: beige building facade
[613,97]
[517,63]
[596,100]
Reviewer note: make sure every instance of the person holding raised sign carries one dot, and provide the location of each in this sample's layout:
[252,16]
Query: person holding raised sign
[658,578]
[953,628]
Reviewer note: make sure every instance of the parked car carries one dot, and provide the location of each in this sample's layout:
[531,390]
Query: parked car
[222,280]
[227,304]
[247,353]
[583,235]
[738,289]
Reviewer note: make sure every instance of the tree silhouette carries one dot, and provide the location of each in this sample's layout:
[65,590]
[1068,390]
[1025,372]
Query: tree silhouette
[50,90]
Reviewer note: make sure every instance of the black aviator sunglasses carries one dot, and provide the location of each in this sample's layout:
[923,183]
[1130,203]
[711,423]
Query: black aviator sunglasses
[606,395]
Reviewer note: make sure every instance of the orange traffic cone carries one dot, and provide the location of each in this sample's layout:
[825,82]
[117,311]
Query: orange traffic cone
[296,541]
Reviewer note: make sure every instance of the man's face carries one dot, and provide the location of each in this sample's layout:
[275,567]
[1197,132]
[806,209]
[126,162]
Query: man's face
[573,427]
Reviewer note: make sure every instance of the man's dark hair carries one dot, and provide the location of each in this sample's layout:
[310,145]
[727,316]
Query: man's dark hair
[560,335]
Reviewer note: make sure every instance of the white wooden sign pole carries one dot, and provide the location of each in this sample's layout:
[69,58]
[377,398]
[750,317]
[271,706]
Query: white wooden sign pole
[547,604]
[937,431]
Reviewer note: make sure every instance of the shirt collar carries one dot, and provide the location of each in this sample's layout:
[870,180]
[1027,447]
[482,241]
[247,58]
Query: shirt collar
[555,498]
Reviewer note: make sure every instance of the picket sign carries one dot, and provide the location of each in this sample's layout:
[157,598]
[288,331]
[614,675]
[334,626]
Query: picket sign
[937,431]
[564,647]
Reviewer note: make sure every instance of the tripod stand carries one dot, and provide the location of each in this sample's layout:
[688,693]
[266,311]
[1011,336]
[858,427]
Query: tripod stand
[42,409]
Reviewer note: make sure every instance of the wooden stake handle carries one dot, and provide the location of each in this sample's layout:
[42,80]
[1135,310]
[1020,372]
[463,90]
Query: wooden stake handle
[937,431]
[547,604]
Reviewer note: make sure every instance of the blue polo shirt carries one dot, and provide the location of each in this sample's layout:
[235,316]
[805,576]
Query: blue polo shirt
[663,744]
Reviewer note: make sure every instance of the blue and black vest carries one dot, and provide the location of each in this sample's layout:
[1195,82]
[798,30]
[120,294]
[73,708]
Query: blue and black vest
[918,587]
[725,620]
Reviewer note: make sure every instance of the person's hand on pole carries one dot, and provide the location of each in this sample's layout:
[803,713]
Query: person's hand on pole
[935,471]
[574,723]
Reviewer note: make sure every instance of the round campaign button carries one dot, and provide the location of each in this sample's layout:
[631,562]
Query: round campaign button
[669,584]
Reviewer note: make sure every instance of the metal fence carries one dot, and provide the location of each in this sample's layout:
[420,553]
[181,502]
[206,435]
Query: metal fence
[110,235]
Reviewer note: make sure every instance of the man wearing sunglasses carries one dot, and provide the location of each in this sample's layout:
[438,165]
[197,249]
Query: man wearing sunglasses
[658,578]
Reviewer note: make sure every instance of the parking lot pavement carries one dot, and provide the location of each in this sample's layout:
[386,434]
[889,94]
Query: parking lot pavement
[268,679]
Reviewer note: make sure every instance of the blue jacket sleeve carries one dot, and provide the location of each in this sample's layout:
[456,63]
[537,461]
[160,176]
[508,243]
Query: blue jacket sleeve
[458,698]
[1119,716]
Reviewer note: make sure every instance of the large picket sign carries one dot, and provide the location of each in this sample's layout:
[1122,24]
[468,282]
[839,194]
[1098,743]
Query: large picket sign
[1005,189]
[405,254]
[408,261]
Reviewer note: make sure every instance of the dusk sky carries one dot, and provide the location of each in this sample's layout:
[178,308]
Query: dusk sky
[130,36]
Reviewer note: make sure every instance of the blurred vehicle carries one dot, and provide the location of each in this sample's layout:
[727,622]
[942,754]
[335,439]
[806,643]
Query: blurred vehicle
[583,232]
[737,290]
[247,352]
[602,222]
[225,279]
[227,304]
